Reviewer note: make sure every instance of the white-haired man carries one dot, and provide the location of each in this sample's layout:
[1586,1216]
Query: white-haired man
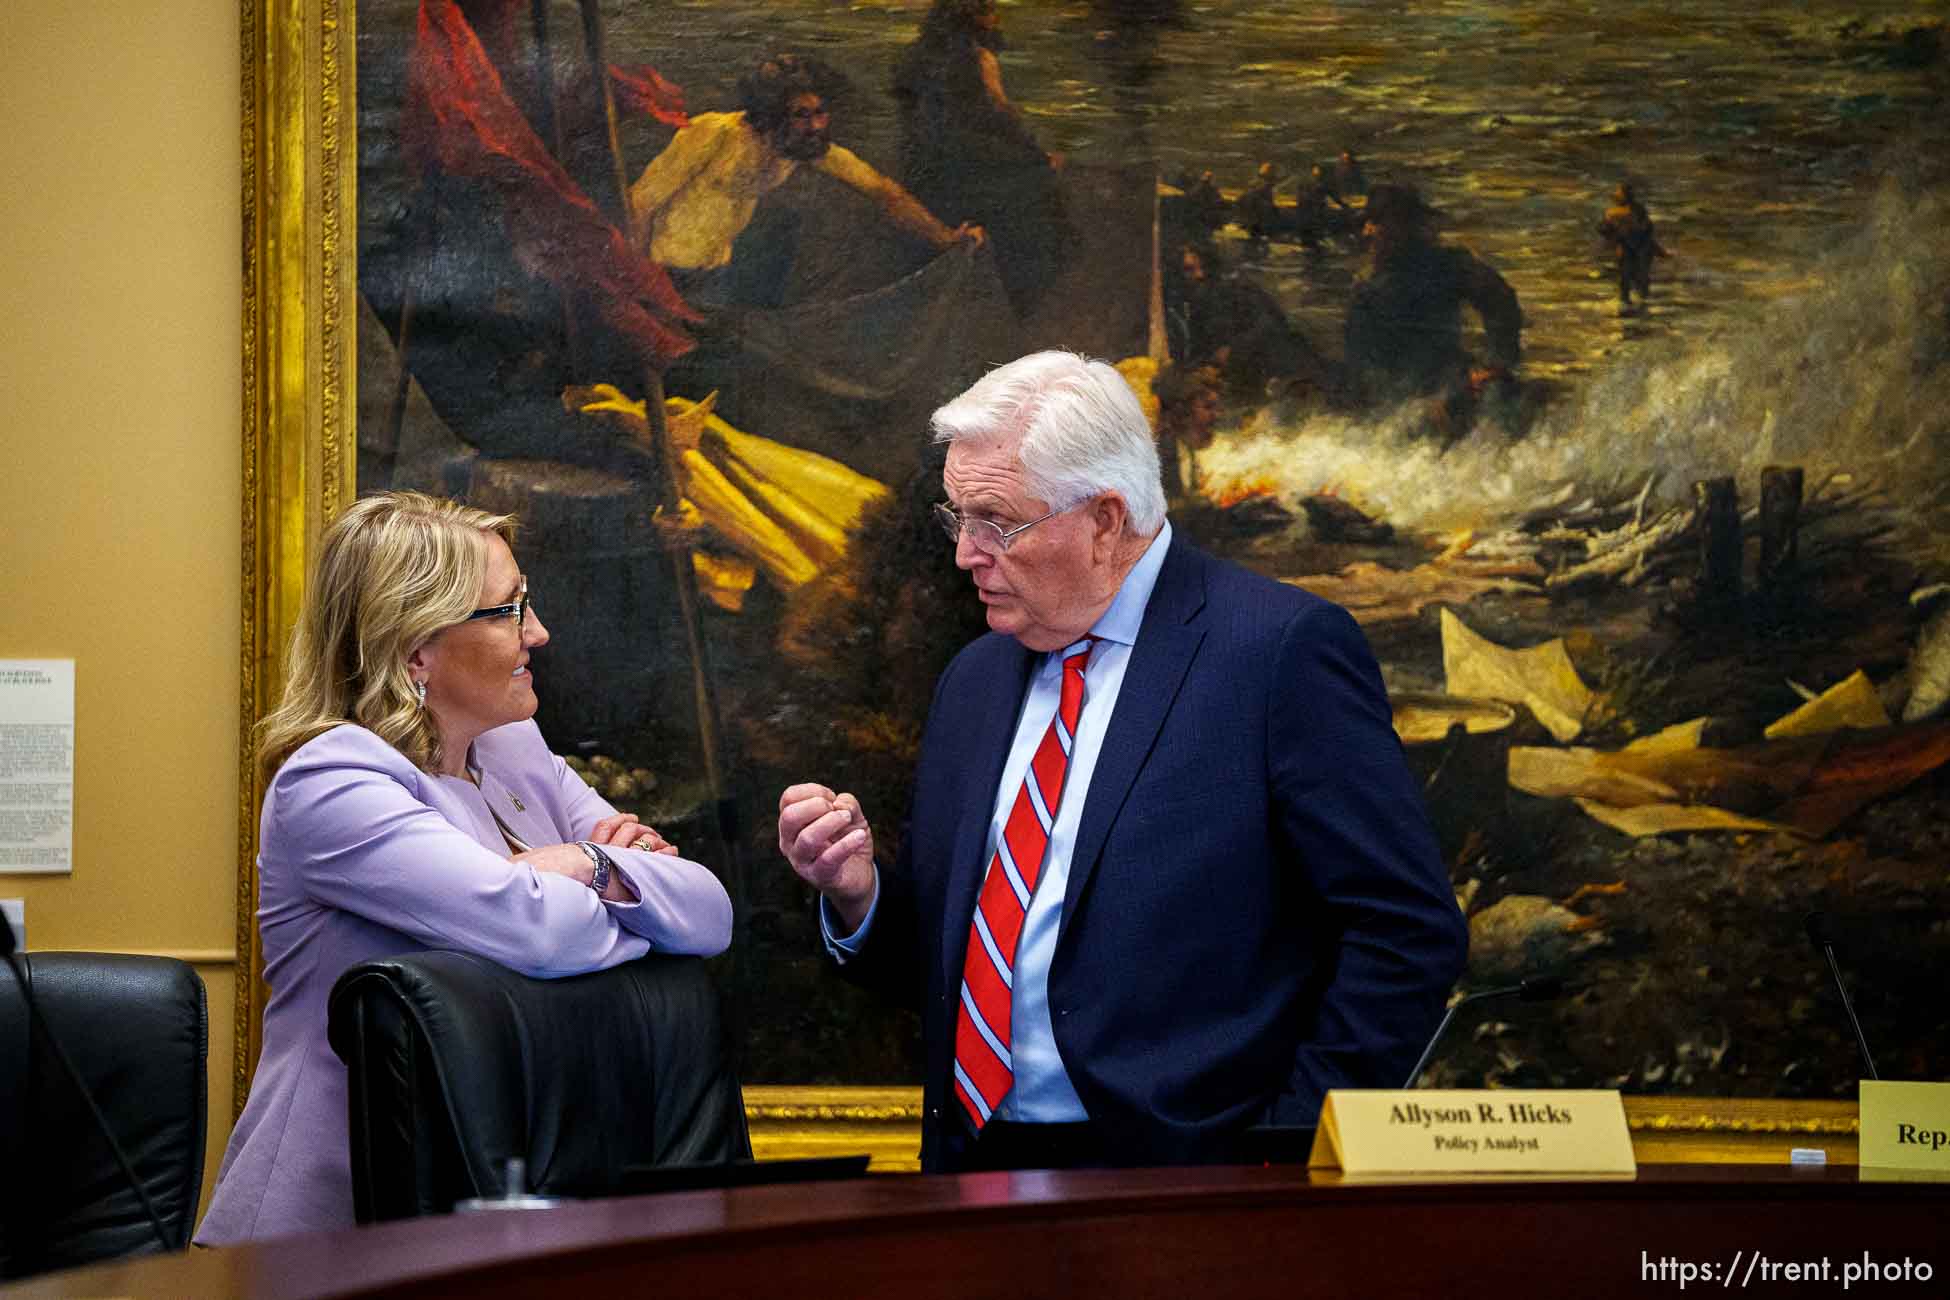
[1167,875]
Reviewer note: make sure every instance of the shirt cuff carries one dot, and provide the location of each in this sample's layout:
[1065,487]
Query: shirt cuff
[842,949]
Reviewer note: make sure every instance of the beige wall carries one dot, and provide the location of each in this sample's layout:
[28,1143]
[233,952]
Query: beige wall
[120,461]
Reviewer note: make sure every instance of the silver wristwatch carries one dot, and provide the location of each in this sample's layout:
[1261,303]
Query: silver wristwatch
[599,881]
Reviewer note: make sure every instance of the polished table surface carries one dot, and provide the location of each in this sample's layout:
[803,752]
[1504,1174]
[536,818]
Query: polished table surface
[1233,1231]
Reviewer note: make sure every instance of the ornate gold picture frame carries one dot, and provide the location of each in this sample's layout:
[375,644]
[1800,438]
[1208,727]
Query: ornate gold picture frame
[298,405]
[297,70]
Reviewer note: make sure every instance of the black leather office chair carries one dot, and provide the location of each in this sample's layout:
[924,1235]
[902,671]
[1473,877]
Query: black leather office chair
[138,1032]
[456,1064]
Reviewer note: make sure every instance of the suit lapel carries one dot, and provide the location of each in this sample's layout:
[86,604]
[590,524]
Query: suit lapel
[519,814]
[1168,640]
[986,730]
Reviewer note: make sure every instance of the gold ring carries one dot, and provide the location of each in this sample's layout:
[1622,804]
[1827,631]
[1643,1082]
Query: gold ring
[647,844]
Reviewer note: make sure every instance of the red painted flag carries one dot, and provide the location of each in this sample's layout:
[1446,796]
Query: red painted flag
[643,90]
[461,118]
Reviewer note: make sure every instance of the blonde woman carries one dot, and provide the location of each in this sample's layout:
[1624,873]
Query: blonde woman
[413,804]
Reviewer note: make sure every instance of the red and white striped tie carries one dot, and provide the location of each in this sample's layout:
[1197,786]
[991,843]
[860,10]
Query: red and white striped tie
[984,1070]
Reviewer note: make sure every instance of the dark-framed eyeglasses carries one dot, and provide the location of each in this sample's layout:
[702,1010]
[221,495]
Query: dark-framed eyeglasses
[984,535]
[517,609]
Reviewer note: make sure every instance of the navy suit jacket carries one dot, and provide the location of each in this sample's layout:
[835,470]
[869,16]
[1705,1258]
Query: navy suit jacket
[1256,909]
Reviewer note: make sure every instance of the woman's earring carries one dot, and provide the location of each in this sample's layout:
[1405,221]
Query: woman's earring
[420,692]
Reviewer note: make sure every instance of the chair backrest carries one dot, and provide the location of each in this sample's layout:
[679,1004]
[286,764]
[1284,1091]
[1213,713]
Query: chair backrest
[456,1064]
[138,1032]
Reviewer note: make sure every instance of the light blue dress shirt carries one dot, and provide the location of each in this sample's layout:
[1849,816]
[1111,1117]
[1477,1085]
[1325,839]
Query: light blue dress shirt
[1043,1093]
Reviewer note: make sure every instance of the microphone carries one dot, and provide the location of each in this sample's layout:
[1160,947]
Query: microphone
[1824,942]
[1540,988]
[23,975]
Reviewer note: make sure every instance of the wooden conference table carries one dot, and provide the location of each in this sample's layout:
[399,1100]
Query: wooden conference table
[1235,1231]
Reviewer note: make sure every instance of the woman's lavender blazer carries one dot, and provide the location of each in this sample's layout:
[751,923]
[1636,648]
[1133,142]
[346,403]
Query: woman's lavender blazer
[363,855]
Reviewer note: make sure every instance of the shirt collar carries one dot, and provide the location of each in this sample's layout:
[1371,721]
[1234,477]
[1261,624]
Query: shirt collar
[1120,622]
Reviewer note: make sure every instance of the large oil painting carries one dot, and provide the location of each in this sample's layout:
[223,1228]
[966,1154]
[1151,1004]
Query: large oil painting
[1595,356]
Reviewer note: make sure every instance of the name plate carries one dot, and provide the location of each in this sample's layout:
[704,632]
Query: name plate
[1905,1125]
[1458,1131]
